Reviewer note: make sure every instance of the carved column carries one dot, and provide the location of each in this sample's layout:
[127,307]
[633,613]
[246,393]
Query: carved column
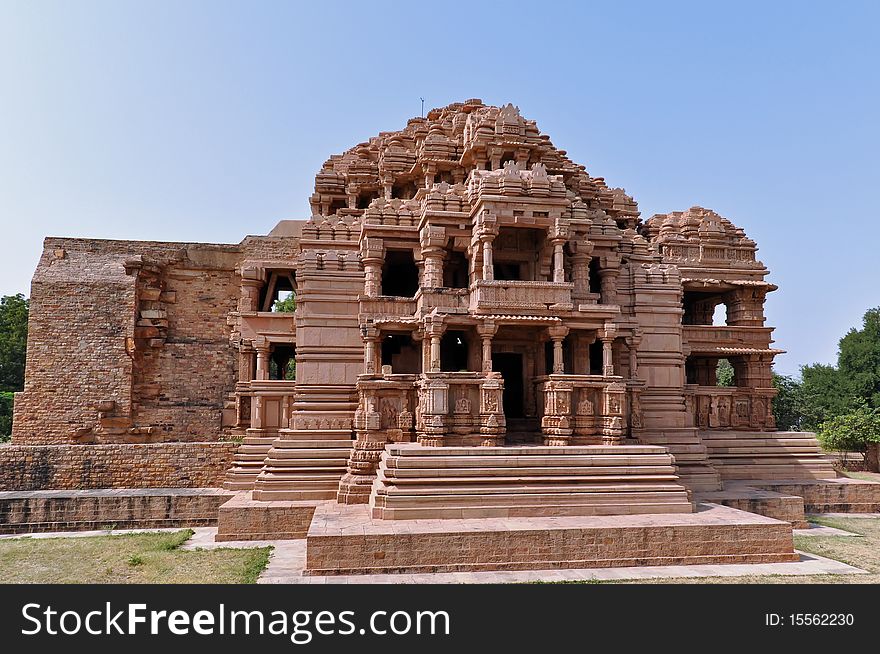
[608,279]
[556,423]
[633,345]
[373,258]
[245,362]
[557,335]
[371,338]
[372,277]
[487,330]
[492,420]
[250,290]
[488,270]
[433,275]
[433,332]
[558,260]
[608,335]
[262,347]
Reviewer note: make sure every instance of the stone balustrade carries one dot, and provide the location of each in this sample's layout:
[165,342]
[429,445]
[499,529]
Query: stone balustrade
[521,296]
[731,407]
[386,408]
[387,306]
[447,300]
[582,409]
[460,408]
[708,338]
[271,404]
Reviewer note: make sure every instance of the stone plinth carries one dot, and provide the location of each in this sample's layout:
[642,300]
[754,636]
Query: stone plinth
[117,508]
[781,506]
[416,482]
[304,465]
[841,495]
[344,539]
[767,456]
[244,518]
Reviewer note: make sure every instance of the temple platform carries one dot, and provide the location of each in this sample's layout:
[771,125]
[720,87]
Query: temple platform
[791,500]
[244,518]
[767,456]
[117,508]
[346,539]
[416,482]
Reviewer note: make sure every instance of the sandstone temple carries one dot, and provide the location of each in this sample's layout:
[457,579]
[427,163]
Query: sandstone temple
[472,346]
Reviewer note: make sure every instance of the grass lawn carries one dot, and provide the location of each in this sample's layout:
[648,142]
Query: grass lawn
[149,558]
[864,476]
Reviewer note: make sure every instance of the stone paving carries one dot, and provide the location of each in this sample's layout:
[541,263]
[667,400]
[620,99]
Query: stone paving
[287,562]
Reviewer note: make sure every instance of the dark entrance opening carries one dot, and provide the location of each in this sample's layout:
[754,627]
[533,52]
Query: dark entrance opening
[453,351]
[510,365]
[400,276]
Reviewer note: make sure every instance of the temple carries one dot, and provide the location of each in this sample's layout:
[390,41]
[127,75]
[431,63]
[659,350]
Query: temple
[469,327]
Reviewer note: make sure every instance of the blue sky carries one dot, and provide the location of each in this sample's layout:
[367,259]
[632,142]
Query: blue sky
[207,121]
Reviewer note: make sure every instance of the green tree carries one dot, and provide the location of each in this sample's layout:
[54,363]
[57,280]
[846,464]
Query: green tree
[724,373]
[825,393]
[858,359]
[788,403]
[13,341]
[5,416]
[287,305]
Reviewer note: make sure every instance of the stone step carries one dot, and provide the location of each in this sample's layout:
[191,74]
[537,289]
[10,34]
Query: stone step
[524,511]
[534,471]
[453,482]
[523,491]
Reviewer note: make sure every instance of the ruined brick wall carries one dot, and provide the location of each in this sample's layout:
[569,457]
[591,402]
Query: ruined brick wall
[82,348]
[81,313]
[154,465]
[183,385]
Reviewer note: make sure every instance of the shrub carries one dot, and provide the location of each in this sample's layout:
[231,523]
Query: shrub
[851,431]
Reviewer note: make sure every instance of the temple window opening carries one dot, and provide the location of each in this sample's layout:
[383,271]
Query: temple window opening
[400,275]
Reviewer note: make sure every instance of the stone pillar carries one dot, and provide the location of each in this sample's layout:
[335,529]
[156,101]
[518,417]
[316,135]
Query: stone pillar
[608,279]
[371,338]
[556,423]
[433,275]
[557,335]
[633,345]
[487,330]
[262,359]
[607,357]
[488,270]
[433,332]
[373,276]
[373,258]
[580,275]
[558,260]
[608,335]
[251,286]
[245,362]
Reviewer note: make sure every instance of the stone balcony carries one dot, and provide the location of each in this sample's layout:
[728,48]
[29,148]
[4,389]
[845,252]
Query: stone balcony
[445,300]
[387,306]
[723,339]
[495,295]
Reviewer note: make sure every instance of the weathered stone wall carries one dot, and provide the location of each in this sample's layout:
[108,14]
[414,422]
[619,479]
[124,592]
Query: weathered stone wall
[76,467]
[184,384]
[41,511]
[81,312]
[82,345]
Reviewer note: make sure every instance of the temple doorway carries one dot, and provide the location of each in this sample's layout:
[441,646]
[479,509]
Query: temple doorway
[510,365]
